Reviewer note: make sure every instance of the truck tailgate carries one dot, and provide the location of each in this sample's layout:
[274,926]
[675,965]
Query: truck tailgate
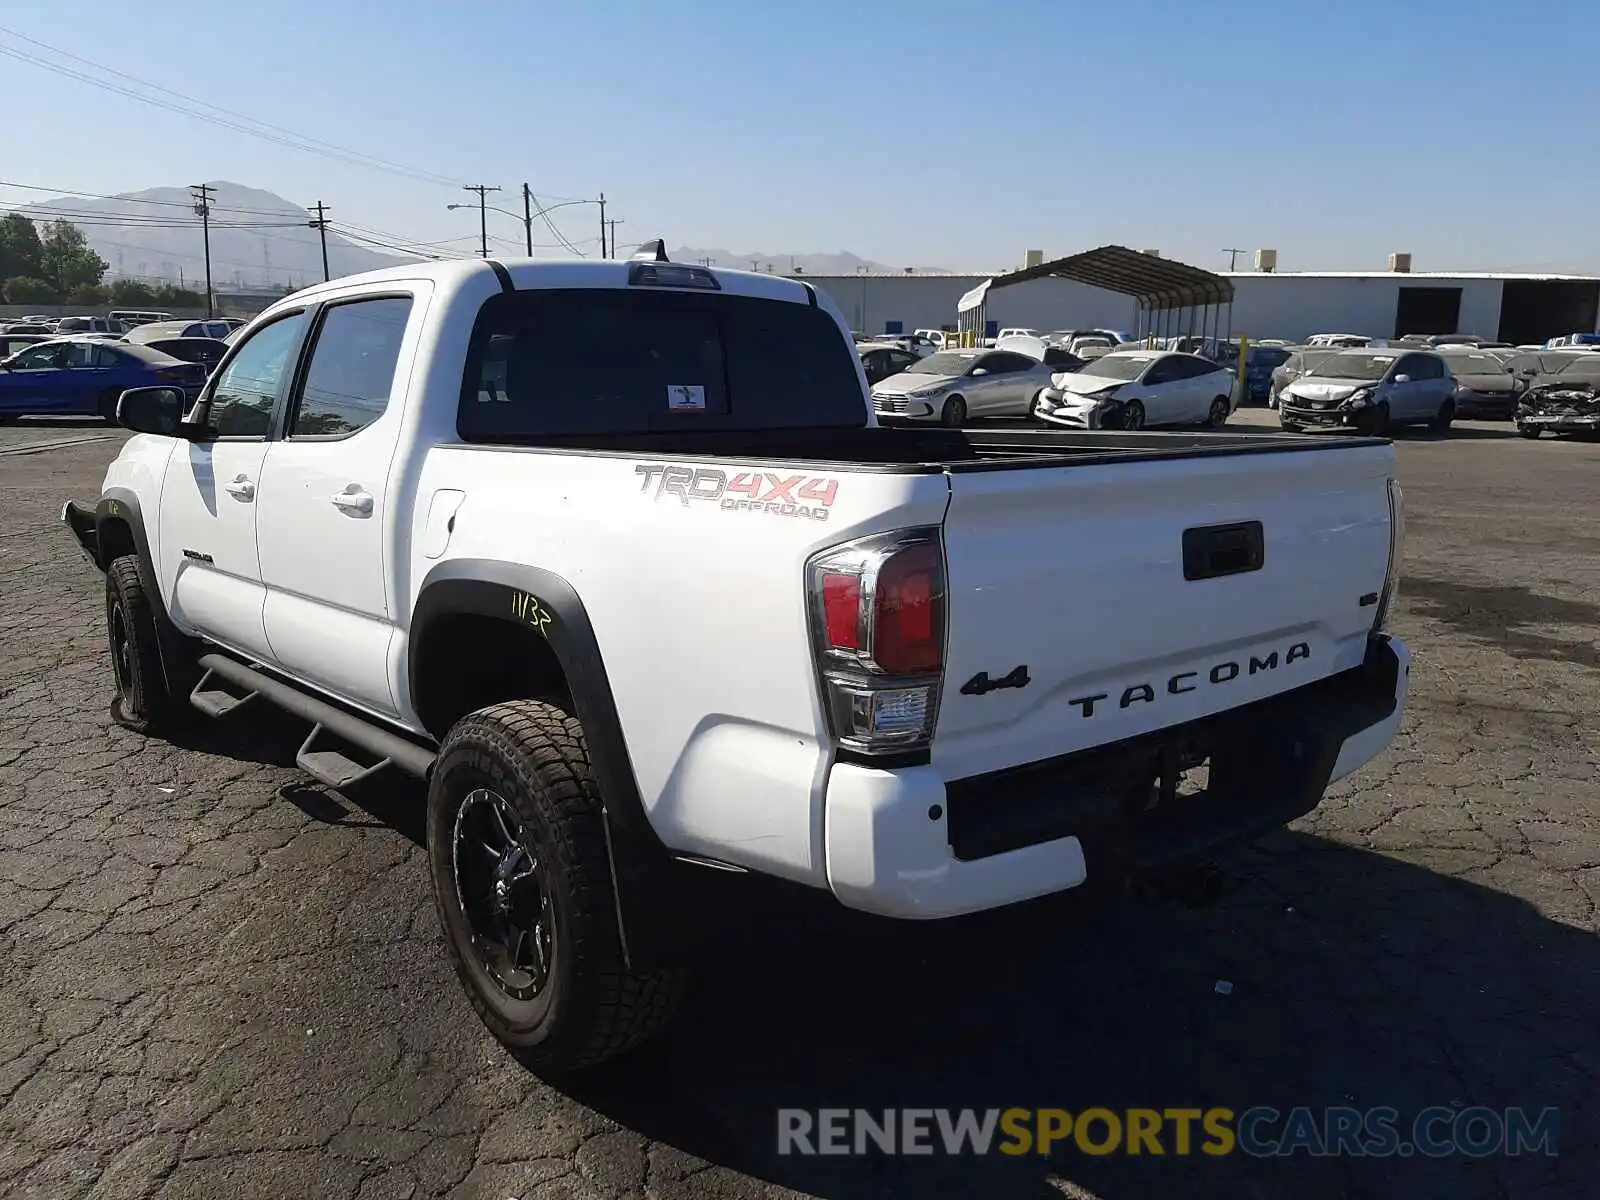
[1081,576]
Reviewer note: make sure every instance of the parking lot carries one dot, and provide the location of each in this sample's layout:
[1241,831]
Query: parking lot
[222,981]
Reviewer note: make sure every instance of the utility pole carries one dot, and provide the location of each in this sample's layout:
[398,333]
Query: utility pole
[483,214]
[202,205]
[527,215]
[603,253]
[612,226]
[1233,256]
[321,226]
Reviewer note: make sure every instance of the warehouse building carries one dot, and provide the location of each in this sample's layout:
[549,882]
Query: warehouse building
[1509,307]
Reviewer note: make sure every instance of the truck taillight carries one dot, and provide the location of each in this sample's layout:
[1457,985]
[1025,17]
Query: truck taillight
[878,628]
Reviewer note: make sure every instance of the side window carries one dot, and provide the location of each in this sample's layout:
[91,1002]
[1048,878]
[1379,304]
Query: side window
[79,355]
[104,356]
[1411,365]
[353,362]
[247,388]
[39,358]
[1162,372]
[899,360]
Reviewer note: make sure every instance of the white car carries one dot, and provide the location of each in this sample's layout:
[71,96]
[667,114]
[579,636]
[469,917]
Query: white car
[953,385]
[1132,389]
[1017,331]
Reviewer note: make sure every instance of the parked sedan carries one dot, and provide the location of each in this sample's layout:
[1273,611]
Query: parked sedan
[156,331]
[953,385]
[1485,389]
[878,360]
[1371,391]
[208,352]
[1132,389]
[86,377]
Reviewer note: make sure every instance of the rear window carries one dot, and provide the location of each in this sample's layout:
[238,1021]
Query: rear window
[584,362]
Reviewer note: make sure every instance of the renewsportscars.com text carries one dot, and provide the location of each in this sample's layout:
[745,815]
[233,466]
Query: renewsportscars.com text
[1260,1132]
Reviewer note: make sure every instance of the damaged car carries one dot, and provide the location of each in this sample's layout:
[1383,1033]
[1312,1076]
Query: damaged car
[1136,389]
[1486,390]
[1371,391]
[1566,402]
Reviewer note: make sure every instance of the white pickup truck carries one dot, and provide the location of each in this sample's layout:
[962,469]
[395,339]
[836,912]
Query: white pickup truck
[614,555]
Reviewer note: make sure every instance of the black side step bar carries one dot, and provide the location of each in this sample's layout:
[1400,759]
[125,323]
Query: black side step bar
[358,731]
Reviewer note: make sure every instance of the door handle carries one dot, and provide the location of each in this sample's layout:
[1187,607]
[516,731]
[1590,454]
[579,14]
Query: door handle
[357,503]
[242,488]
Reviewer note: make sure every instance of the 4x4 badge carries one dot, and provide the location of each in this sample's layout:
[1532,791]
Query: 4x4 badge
[980,684]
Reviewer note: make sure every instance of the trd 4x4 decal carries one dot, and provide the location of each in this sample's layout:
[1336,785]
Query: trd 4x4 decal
[780,492]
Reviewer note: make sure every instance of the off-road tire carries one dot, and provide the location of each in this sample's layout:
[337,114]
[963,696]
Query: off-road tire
[142,702]
[591,1007]
[954,413]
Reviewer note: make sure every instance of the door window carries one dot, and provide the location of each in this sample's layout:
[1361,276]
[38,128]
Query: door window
[39,358]
[353,361]
[1165,371]
[247,387]
[79,355]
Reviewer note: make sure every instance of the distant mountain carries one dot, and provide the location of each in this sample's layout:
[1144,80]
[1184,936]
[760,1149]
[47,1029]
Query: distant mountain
[841,263]
[257,238]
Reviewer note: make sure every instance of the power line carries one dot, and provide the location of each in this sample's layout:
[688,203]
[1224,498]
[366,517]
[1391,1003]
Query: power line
[267,130]
[186,205]
[551,225]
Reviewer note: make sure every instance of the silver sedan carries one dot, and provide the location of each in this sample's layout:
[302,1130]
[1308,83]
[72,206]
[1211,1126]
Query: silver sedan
[953,385]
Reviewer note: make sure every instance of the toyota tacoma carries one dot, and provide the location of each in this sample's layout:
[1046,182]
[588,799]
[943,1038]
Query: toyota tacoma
[616,558]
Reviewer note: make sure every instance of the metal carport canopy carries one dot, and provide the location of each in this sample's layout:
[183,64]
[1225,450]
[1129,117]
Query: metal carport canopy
[1157,283]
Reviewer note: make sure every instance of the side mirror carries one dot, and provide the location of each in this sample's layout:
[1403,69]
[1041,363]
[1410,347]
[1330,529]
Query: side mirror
[1402,379]
[157,410]
[978,371]
[1527,372]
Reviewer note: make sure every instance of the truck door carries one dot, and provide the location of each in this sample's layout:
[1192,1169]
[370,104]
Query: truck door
[325,502]
[209,566]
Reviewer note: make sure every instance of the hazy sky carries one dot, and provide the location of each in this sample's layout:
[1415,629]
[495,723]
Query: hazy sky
[948,134]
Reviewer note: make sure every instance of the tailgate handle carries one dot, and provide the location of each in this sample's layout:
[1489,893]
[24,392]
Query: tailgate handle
[1211,551]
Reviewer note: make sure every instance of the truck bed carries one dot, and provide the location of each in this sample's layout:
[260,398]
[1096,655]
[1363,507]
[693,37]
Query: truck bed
[935,449]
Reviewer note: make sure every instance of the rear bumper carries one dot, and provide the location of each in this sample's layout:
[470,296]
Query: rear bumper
[906,843]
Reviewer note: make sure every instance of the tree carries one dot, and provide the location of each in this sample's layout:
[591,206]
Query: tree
[23,289]
[171,296]
[66,258]
[90,295]
[21,254]
[132,293]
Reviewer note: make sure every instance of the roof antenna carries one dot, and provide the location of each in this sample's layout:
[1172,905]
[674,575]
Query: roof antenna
[655,251]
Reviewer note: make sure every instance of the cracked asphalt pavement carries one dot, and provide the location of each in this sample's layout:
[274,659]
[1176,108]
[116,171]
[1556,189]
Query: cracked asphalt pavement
[219,980]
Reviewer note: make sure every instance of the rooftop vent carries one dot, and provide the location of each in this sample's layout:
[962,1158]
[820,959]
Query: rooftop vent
[1400,263]
[1267,260]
